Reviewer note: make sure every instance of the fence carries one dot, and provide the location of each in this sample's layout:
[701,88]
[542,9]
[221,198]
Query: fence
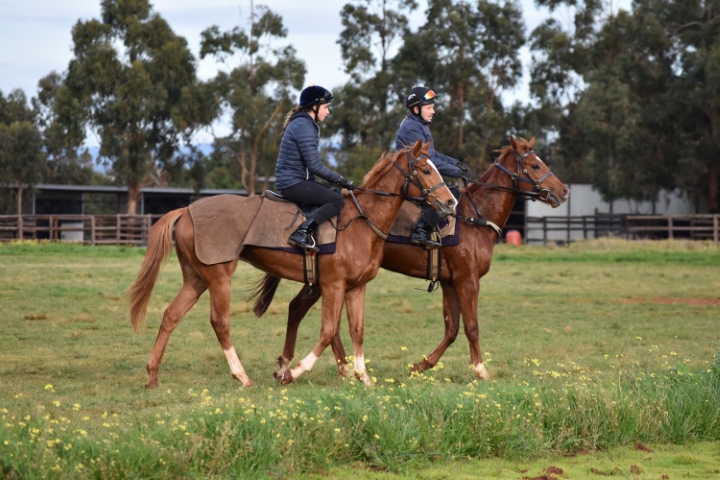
[90,229]
[134,229]
[567,229]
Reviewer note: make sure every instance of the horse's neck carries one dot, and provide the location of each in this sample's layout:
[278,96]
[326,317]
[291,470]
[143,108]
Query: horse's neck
[383,210]
[495,204]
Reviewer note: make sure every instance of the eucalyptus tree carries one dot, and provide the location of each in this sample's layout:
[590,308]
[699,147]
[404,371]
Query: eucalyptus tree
[60,121]
[22,159]
[607,82]
[366,113]
[468,51]
[254,93]
[128,72]
[695,27]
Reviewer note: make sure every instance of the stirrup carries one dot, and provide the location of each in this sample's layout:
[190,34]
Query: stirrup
[306,245]
[425,241]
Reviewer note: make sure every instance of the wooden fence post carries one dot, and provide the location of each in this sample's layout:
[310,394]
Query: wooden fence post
[715,230]
[670,228]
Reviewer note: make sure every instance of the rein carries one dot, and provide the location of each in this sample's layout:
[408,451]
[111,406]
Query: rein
[543,194]
[408,180]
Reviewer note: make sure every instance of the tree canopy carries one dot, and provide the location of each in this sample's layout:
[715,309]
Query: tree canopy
[627,100]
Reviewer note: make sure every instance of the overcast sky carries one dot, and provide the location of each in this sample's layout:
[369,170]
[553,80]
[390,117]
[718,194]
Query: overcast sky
[35,35]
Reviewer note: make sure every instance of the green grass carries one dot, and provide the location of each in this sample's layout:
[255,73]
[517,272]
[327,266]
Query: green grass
[586,349]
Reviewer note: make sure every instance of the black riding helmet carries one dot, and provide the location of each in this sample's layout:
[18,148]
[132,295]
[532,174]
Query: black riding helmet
[419,96]
[315,95]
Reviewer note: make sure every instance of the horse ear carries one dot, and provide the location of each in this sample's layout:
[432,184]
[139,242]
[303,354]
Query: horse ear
[415,150]
[513,143]
[426,146]
[531,143]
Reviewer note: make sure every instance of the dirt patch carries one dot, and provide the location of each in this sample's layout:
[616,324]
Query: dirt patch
[643,447]
[674,301]
[35,316]
[554,470]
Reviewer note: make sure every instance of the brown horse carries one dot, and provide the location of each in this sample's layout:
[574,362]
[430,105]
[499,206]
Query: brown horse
[342,278]
[517,171]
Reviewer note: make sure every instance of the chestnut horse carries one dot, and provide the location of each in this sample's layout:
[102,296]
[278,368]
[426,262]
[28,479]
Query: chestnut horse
[342,278]
[517,171]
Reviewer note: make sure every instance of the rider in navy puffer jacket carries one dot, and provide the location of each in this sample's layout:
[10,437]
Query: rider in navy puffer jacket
[420,102]
[414,128]
[299,162]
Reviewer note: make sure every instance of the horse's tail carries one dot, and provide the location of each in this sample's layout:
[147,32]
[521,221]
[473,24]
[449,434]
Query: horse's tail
[157,254]
[263,292]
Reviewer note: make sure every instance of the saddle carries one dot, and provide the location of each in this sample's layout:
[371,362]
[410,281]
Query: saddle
[225,224]
[278,217]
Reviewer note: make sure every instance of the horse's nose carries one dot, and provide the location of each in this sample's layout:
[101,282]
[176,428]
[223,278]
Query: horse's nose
[451,202]
[565,192]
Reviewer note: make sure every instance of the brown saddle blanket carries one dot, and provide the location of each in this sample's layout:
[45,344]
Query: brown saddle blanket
[408,217]
[224,224]
[276,220]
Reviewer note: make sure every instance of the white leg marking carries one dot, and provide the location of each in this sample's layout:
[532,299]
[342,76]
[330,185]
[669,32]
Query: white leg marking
[359,363]
[305,365]
[236,367]
[480,372]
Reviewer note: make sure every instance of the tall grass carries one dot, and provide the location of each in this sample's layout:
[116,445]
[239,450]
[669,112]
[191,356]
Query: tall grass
[390,426]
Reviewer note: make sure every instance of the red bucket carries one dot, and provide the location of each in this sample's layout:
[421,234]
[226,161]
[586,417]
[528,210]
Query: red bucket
[513,237]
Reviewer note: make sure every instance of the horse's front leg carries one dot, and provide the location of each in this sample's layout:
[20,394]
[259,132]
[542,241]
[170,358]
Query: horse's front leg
[468,291]
[298,308]
[451,317]
[355,305]
[332,303]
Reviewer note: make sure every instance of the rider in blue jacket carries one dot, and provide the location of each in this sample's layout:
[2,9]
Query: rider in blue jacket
[420,101]
[299,162]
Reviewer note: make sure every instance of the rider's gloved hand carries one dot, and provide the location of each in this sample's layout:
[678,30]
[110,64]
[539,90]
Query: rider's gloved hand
[345,183]
[467,174]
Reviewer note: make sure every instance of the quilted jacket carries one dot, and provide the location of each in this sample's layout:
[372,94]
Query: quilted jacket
[298,159]
[413,129]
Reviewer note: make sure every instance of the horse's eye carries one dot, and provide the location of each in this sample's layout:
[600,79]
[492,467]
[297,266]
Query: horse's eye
[536,167]
[426,172]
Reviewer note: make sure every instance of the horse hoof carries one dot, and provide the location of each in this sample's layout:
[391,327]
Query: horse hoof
[151,385]
[286,378]
[277,376]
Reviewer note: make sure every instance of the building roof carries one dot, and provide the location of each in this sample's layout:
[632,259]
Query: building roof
[150,190]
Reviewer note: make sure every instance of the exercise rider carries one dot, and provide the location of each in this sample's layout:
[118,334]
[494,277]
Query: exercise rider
[420,101]
[299,162]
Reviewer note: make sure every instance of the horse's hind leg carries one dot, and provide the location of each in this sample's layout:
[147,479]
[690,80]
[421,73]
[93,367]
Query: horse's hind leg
[193,287]
[220,321]
[298,308]
[451,316]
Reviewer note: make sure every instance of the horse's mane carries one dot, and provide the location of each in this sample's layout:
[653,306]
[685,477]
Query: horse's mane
[380,166]
[521,142]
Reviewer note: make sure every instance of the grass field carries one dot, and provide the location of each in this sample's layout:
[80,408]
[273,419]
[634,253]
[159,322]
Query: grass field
[592,349]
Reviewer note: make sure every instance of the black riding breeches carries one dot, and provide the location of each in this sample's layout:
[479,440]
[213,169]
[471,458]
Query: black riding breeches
[312,193]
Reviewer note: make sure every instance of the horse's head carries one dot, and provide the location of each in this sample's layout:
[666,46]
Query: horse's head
[530,174]
[422,179]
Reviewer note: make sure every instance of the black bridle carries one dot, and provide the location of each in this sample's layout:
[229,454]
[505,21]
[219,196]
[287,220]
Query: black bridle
[410,178]
[538,193]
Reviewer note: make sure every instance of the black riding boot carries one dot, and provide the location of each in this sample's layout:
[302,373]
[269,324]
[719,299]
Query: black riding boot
[421,235]
[303,236]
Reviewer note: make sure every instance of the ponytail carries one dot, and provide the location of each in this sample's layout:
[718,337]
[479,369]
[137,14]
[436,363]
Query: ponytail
[288,116]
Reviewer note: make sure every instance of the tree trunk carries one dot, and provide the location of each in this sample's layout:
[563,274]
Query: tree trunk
[253,168]
[459,100]
[134,192]
[20,199]
[713,190]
